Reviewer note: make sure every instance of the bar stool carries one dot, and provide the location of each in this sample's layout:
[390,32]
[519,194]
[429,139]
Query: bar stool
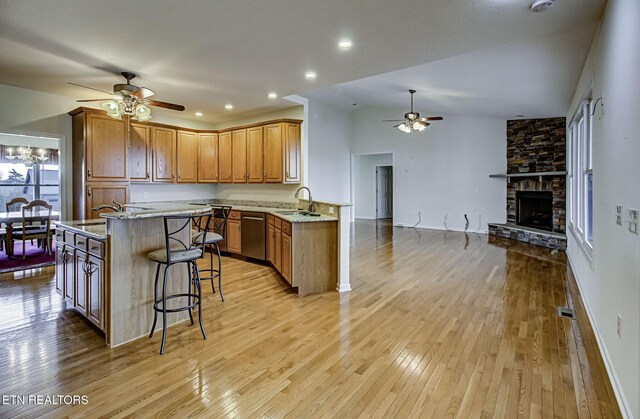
[179,249]
[220,217]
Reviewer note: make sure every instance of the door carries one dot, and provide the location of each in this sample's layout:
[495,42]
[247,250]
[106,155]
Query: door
[384,192]
[255,158]
[224,158]
[95,278]
[273,152]
[164,146]
[60,248]
[69,275]
[207,158]
[81,282]
[104,194]
[187,157]
[271,242]
[292,153]
[239,152]
[234,236]
[139,153]
[106,149]
[286,257]
[277,254]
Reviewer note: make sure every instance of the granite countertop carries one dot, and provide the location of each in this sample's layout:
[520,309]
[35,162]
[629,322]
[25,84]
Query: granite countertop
[96,229]
[293,218]
[156,209]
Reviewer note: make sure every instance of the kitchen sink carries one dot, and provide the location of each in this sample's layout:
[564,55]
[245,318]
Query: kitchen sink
[91,223]
[305,213]
[289,212]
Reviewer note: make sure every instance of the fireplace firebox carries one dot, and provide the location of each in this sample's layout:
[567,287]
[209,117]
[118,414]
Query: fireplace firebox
[534,209]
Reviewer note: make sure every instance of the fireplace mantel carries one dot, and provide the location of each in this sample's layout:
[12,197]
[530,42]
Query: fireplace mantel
[539,175]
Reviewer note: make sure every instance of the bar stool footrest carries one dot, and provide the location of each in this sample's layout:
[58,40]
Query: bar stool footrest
[157,306]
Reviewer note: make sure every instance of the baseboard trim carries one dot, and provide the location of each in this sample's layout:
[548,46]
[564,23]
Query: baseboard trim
[343,288]
[625,409]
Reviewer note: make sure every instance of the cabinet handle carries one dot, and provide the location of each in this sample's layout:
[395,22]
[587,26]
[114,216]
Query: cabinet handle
[147,175]
[286,173]
[81,243]
[89,173]
[94,248]
[88,191]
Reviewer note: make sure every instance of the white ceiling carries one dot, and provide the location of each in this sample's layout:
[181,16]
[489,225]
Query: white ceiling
[204,54]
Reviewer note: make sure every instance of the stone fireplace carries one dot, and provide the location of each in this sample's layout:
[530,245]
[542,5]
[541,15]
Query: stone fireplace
[535,182]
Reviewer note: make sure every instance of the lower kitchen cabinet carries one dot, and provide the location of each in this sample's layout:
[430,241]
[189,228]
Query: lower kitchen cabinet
[286,257]
[81,274]
[234,233]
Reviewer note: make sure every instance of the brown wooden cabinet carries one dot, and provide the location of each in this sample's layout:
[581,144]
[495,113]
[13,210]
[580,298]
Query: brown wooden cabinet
[81,282]
[277,252]
[282,153]
[234,236]
[225,174]
[103,194]
[207,158]
[69,274]
[187,157]
[139,153]
[255,155]
[271,239]
[239,156]
[95,272]
[106,149]
[286,257]
[163,142]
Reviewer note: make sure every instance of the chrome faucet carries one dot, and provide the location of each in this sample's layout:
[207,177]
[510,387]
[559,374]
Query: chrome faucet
[312,206]
[117,207]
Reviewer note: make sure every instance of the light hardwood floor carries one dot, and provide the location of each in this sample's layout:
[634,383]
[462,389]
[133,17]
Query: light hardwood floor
[438,324]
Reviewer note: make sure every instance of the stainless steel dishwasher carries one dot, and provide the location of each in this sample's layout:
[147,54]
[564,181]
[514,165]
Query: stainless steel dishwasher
[253,235]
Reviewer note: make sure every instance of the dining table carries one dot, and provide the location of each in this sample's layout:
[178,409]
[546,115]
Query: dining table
[9,218]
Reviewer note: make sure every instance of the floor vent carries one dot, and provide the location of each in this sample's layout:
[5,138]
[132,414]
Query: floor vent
[566,312]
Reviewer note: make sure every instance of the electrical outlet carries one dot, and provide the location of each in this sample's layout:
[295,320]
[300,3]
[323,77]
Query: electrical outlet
[633,220]
[619,326]
[145,195]
[330,210]
[619,215]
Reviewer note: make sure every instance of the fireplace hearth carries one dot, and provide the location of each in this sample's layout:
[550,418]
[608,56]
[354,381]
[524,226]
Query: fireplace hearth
[534,209]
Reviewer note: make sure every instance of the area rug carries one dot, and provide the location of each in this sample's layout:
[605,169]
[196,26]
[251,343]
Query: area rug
[36,258]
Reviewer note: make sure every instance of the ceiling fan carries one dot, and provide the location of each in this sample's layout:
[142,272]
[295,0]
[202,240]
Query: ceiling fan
[130,100]
[412,120]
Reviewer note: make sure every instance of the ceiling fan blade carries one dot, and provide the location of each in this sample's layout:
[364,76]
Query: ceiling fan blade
[424,123]
[143,93]
[392,120]
[167,105]
[92,88]
[432,118]
[92,100]
[396,126]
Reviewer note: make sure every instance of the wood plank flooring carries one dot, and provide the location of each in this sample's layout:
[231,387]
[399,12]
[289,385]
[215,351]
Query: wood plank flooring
[439,324]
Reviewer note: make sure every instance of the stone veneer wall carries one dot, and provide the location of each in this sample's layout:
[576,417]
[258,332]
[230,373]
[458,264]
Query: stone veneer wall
[537,145]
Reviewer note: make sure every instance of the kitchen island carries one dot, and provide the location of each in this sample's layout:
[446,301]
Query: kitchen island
[113,286]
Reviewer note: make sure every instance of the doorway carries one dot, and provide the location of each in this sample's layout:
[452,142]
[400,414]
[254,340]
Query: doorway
[384,192]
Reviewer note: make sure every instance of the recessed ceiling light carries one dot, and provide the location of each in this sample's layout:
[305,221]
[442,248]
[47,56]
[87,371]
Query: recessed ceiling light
[228,106]
[310,75]
[345,44]
[273,95]
[198,114]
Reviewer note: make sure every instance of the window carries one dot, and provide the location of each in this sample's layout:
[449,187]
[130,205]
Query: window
[580,174]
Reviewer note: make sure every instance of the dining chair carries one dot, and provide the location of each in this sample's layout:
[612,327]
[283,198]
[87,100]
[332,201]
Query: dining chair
[13,205]
[36,224]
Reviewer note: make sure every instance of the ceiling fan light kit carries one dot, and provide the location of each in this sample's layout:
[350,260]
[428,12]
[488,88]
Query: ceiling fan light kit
[412,121]
[130,100]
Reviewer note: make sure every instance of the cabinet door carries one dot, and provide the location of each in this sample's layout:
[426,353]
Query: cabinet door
[95,281]
[234,236]
[273,152]
[207,158]
[271,242]
[239,152]
[164,147]
[60,248]
[104,194]
[106,149]
[187,157]
[139,153]
[277,256]
[292,153]
[224,158]
[69,276]
[286,257]
[255,155]
[81,282]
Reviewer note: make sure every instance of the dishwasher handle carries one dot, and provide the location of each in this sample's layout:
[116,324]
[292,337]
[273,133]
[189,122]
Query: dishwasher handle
[253,218]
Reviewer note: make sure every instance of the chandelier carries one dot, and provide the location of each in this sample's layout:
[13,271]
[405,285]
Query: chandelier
[27,156]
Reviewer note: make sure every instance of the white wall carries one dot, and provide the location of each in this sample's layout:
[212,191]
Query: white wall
[610,285]
[443,170]
[329,158]
[364,182]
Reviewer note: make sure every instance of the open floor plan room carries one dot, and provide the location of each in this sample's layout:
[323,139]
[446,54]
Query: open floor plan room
[438,324]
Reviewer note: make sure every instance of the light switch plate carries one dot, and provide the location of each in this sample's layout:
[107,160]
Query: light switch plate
[633,220]
[619,215]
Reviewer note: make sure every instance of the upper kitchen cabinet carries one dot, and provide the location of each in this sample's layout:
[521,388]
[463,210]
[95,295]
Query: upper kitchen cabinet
[282,152]
[207,158]
[255,153]
[163,142]
[105,149]
[239,153]
[139,153]
[224,157]
[187,157]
